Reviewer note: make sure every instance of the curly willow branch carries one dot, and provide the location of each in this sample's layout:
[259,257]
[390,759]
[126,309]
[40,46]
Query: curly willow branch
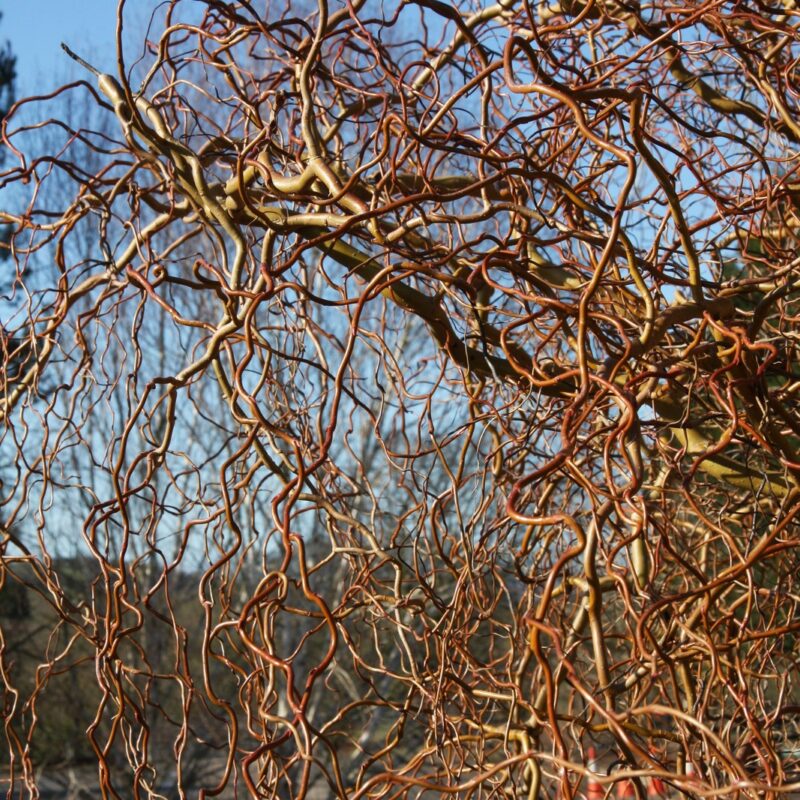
[402,399]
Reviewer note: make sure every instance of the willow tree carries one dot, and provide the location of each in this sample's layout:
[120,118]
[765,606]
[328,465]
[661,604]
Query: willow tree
[452,349]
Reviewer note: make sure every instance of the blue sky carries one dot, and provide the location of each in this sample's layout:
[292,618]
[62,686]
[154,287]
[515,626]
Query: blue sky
[36,29]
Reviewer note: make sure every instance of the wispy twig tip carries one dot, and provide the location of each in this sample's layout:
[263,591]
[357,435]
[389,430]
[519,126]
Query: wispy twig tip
[75,57]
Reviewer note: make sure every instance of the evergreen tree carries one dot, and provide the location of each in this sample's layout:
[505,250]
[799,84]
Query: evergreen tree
[7,76]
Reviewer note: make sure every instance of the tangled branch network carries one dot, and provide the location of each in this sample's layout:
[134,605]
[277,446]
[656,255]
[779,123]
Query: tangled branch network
[401,400]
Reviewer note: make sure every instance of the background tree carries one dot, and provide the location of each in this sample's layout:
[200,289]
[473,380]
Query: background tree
[7,77]
[448,353]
